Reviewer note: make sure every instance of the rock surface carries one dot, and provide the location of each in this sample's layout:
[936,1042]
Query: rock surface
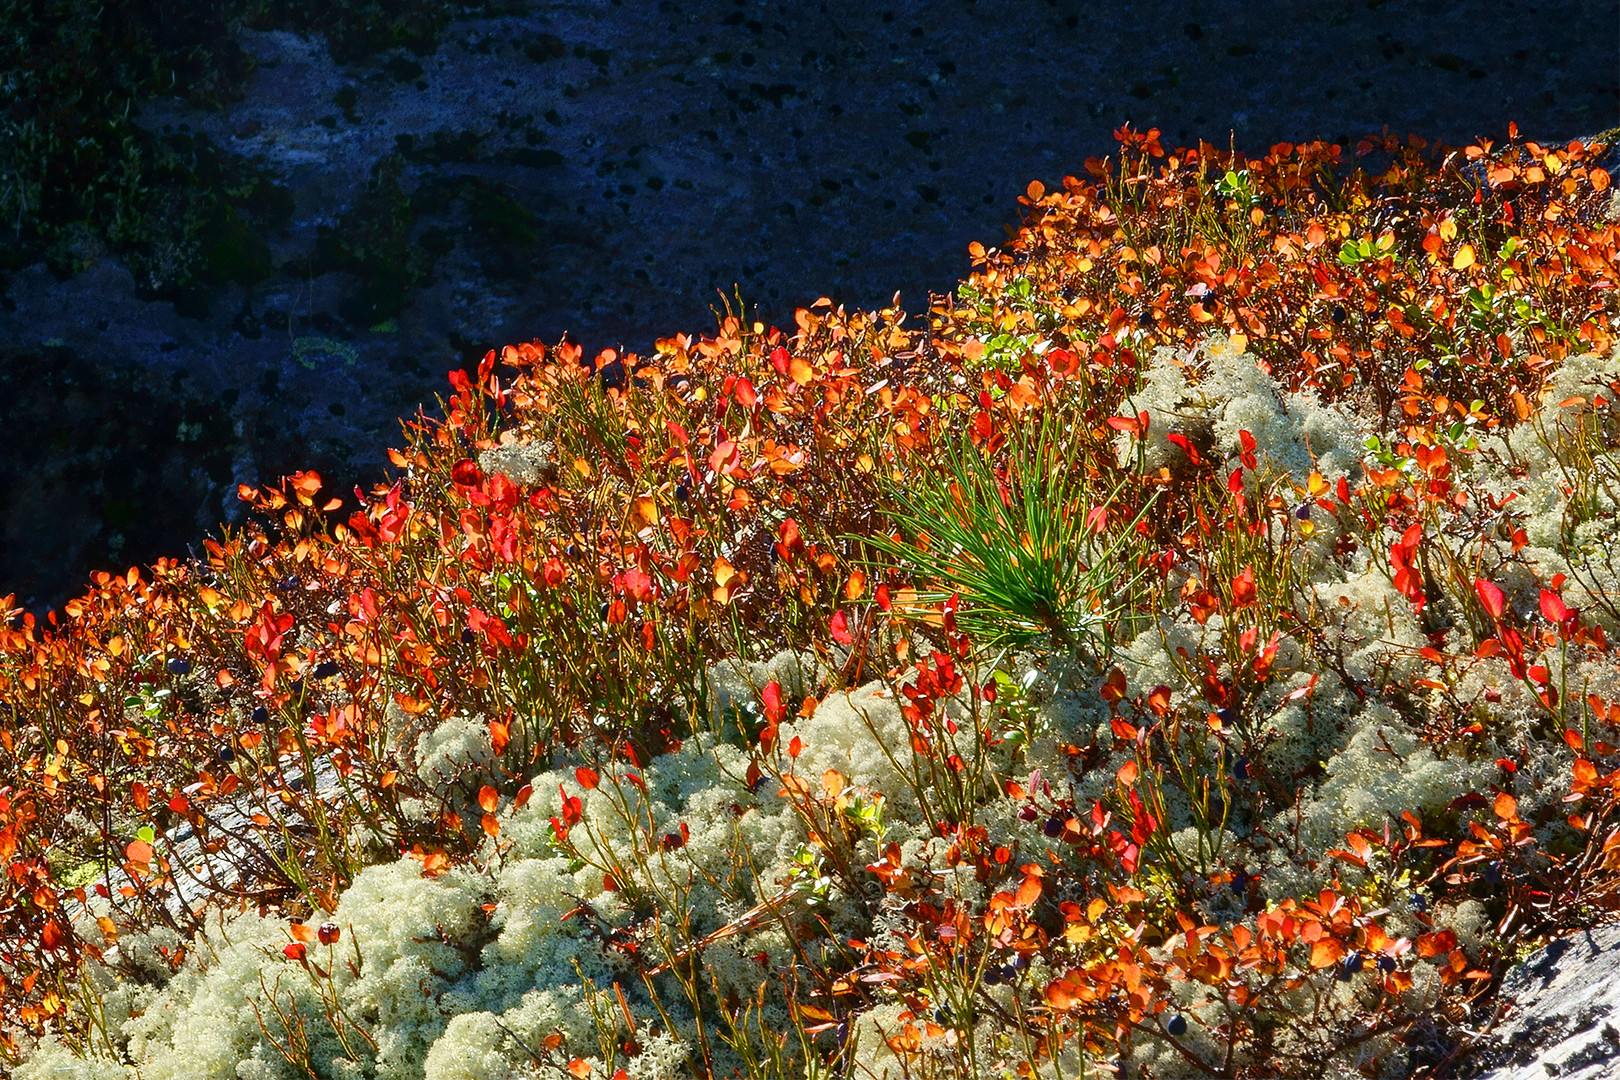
[602,167]
[1562,1014]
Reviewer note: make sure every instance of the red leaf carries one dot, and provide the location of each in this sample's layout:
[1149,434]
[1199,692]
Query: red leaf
[1244,591]
[587,777]
[1491,597]
[1553,607]
[840,629]
[1186,447]
[772,697]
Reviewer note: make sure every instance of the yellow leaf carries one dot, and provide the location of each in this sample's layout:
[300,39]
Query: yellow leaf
[1448,230]
[1464,258]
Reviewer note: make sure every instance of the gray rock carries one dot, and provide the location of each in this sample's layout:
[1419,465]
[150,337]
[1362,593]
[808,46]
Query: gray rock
[1561,1014]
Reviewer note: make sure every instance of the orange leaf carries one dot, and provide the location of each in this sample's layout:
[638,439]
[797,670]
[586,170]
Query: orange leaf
[1506,807]
[491,824]
[1326,952]
[579,1068]
[1060,994]
[855,587]
[488,799]
[1028,892]
[1436,944]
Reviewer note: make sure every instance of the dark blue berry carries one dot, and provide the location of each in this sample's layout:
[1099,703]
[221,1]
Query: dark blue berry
[179,667]
[1386,963]
[326,669]
[1053,826]
[467,636]
[226,755]
[1176,1025]
[1240,883]
[261,715]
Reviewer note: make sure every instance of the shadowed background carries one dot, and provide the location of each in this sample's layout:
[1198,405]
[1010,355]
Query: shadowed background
[310,213]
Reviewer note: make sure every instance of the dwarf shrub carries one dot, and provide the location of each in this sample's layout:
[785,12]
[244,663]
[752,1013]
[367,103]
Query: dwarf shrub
[647,727]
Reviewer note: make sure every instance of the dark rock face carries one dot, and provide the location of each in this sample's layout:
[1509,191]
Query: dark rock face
[602,168]
[1562,1014]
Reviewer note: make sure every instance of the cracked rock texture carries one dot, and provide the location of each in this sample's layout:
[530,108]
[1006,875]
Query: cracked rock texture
[601,168]
[1562,1014]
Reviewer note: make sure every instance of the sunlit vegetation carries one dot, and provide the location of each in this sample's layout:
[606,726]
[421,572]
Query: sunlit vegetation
[1186,651]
